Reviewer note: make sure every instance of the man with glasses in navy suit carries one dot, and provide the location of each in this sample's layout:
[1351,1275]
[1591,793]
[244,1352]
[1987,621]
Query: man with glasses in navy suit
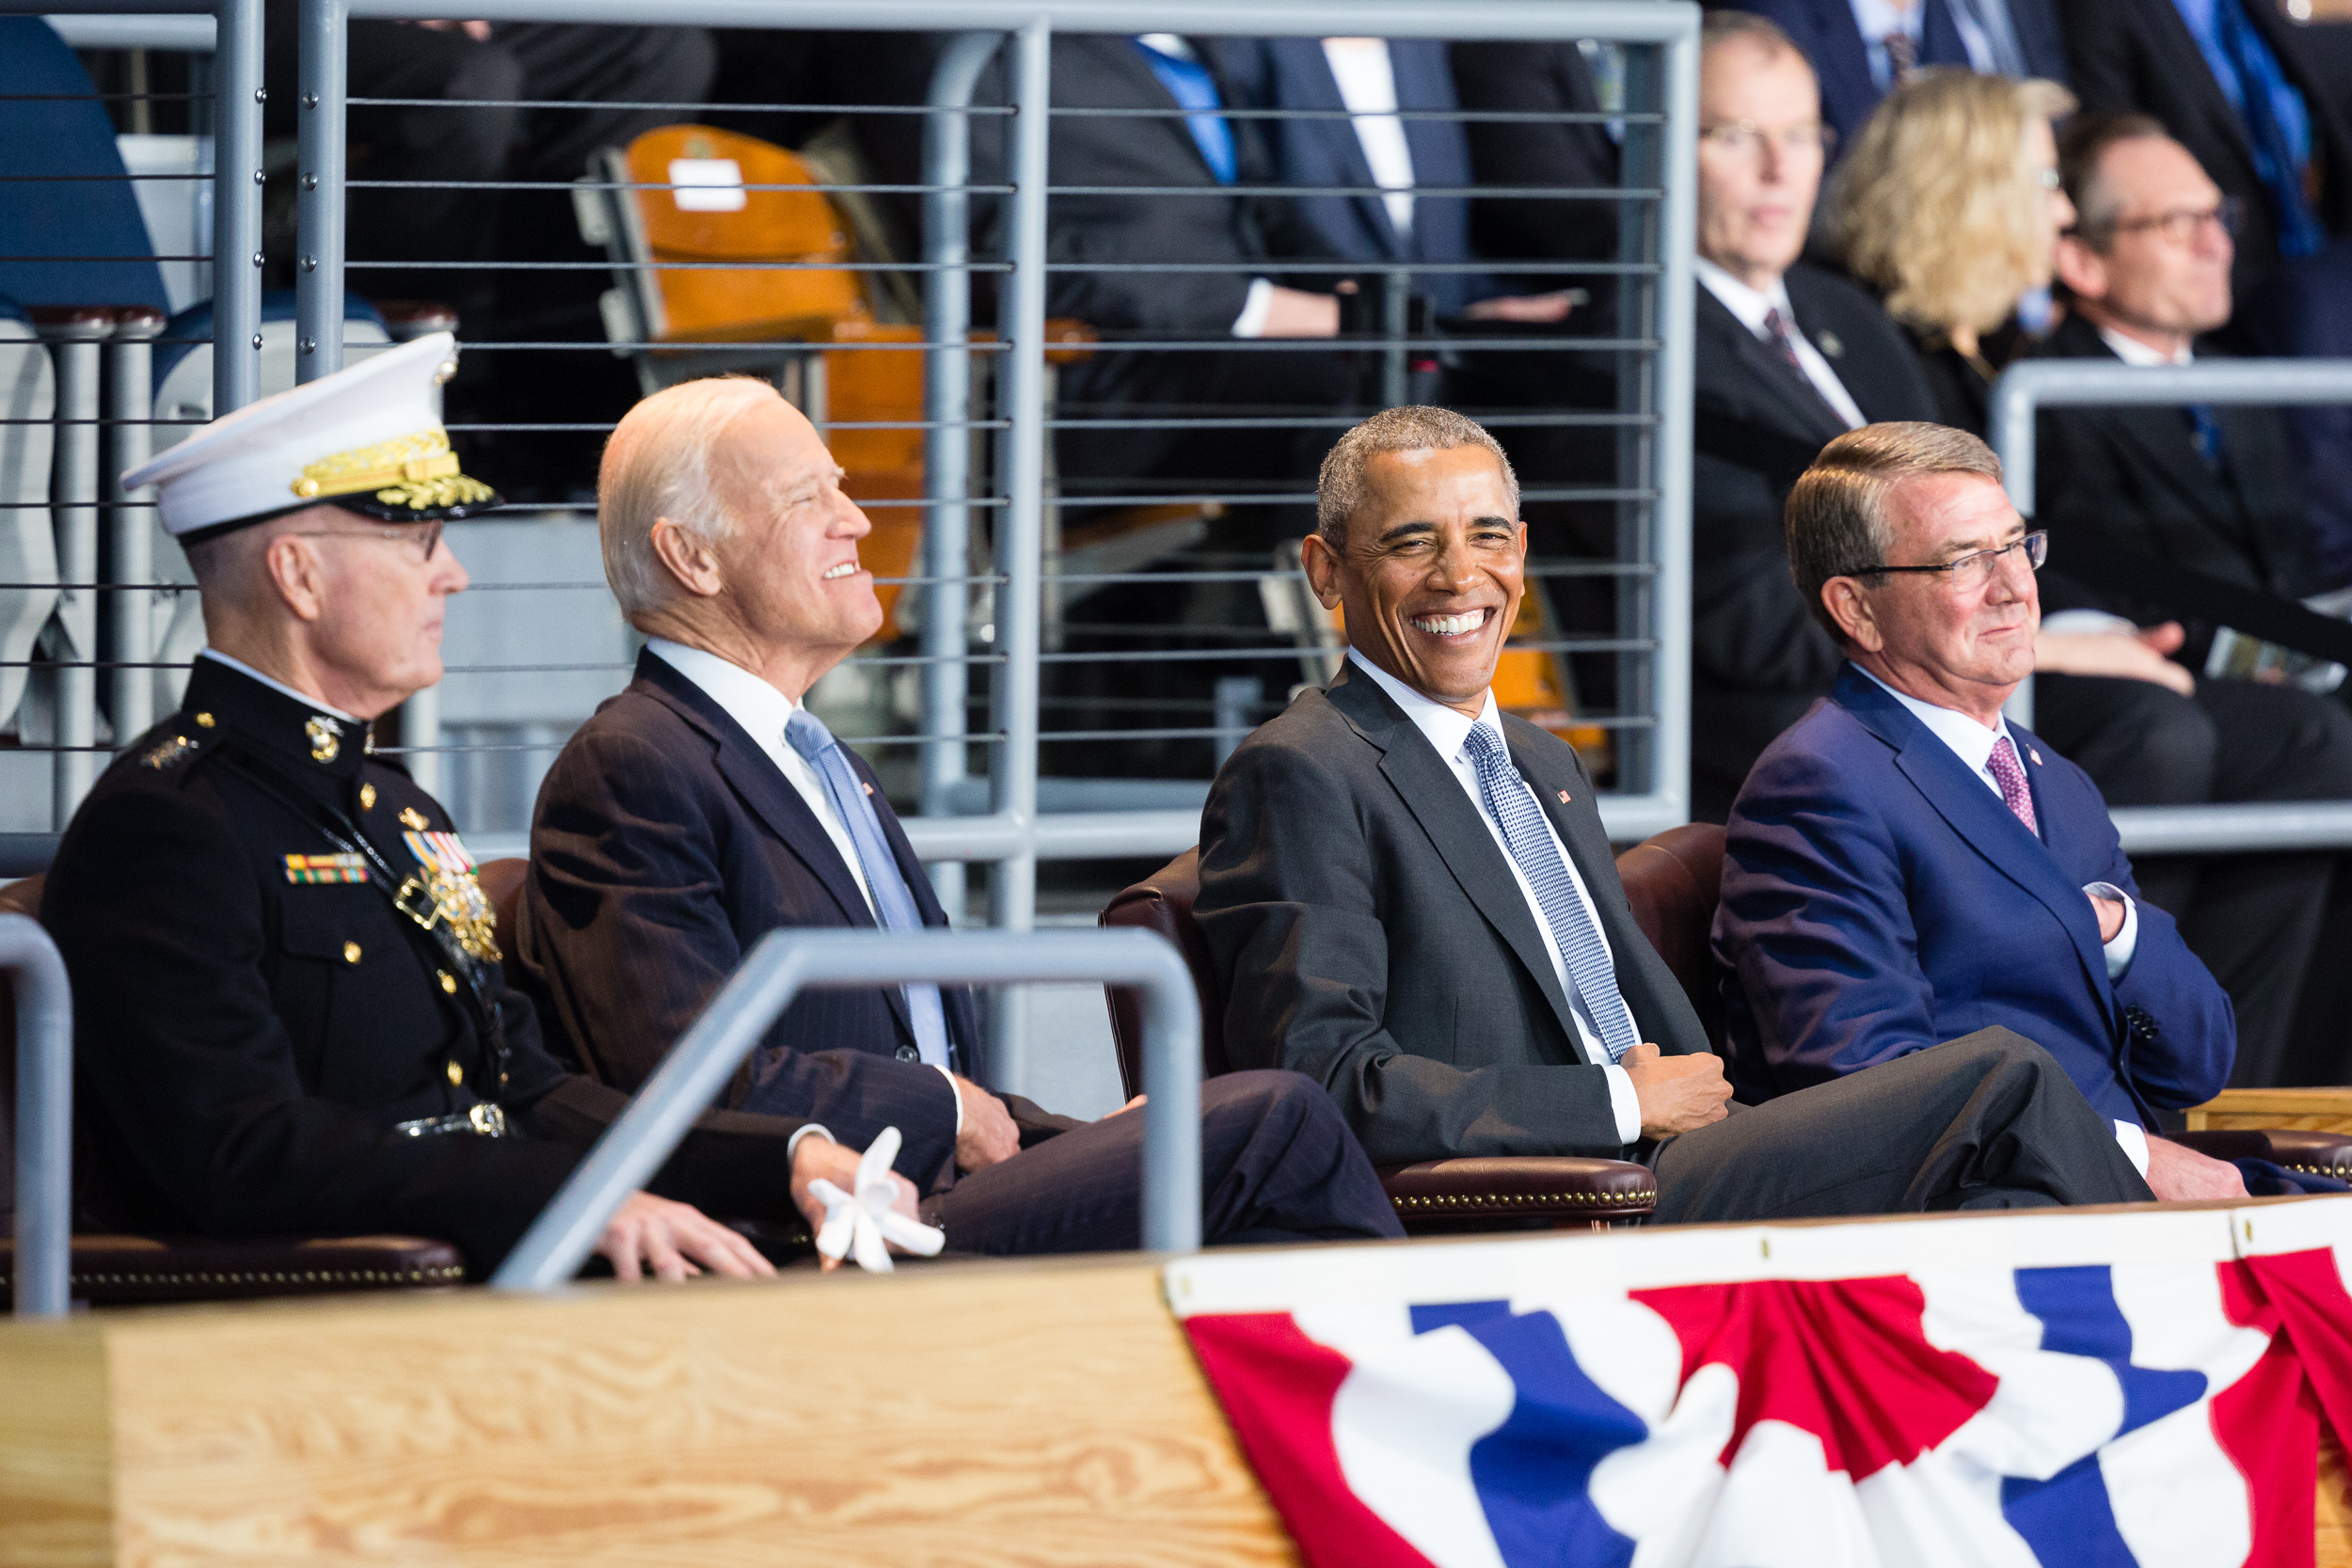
[1904,865]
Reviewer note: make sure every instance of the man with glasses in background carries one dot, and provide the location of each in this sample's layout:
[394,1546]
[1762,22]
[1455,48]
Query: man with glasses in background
[1786,356]
[1903,865]
[2157,515]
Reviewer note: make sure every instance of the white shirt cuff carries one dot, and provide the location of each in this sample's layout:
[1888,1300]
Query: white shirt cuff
[1626,1104]
[2126,940]
[955,1092]
[2096,620]
[1254,310]
[793,1144]
[2135,1142]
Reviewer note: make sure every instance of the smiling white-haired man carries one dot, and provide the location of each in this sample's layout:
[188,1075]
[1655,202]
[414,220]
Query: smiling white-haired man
[1410,899]
[705,807]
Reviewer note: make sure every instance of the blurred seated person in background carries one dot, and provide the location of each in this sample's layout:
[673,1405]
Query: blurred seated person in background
[1115,240]
[1904,865]
[1865,49]
[1410,899]
[2142,504]
[1949,204]
[705,807]
[1530,77]
[2226,79]
[1369,80]
[1785,357]
[278,1033]
[504,103]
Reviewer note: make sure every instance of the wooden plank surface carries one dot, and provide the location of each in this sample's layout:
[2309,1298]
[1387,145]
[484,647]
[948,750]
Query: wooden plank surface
[2309,1110]
[57,1502]
[1039,1413]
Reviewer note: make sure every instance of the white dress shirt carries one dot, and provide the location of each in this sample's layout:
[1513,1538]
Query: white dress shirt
[1367,82]
[2133,351]
[242,668]
[1973,744]
[763,711]
[1749,306]
[1448,731]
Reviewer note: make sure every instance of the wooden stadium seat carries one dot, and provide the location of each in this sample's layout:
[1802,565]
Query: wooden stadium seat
[117,1271]
[1432,1196]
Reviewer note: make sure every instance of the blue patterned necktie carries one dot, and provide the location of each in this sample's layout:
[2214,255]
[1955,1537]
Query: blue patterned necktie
[2278,127]
[1597,997]
[2206,431]
[806,733]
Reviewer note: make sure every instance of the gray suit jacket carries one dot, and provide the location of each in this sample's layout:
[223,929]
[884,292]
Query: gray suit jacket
[1368,933]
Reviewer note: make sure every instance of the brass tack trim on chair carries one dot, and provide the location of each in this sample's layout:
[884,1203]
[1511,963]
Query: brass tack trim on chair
[439,1274]
[1582,1200]
[2339,1173]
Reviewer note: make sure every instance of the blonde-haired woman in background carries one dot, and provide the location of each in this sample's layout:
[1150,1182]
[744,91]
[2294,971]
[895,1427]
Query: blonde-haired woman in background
[1949,205]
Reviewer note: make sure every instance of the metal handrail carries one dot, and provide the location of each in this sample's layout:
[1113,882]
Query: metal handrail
[2026,389]
[785,963]
[44,1117]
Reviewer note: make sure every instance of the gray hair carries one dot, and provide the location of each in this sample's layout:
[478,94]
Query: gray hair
[1340,487]
[2083,149]
[1836,518]
[1767,35]
[658,464]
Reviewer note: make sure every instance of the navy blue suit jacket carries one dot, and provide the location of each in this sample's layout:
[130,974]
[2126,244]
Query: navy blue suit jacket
[1825,30]
[1878,898]
[1292,73]
[664,845]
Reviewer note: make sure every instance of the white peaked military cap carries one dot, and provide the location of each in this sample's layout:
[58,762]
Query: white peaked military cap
[368,439]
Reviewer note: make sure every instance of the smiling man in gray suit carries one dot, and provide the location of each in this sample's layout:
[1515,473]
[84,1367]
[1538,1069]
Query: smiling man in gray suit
[1411,899]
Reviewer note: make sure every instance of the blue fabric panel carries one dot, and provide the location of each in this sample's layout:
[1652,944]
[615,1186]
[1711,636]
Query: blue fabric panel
[193,326]
[45,132]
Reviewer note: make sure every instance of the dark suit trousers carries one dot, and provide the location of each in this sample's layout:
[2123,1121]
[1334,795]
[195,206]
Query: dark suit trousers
[2255,920]
[1276,1165]
[1986,1121]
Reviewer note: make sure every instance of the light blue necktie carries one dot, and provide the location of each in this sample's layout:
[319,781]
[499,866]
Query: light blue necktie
[806,733]
[1189,83]
[1594,995]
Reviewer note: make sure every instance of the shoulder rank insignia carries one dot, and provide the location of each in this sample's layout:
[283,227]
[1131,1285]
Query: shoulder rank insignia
[446,889]
[172,753]
[327,868]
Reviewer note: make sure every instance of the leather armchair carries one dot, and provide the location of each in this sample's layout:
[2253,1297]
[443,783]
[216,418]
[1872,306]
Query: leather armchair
[115,1270]
[1431,1197]
[1674,883]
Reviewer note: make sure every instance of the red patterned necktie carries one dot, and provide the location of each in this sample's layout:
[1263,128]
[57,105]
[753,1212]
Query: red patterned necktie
[1902,56]
[2011,775]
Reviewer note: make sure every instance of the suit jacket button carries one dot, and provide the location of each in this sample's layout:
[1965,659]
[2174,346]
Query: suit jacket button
[908,1054]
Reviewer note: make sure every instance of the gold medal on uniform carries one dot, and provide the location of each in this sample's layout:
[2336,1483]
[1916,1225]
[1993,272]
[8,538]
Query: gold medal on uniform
[445,877]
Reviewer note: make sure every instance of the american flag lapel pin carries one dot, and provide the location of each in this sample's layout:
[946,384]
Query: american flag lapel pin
[869,788]
[2036,756]
[1563,797]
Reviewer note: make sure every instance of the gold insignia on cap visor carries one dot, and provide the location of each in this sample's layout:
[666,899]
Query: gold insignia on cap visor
[417,472]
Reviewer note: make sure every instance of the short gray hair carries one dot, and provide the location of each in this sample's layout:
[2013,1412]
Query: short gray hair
[1762,31]
[658,464]
[1836,518]
[1410,427]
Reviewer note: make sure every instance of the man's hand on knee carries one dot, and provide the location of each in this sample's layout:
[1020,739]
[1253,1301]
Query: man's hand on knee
[2177,1173]
[676,1240]
[1676,1093]
[989,1131]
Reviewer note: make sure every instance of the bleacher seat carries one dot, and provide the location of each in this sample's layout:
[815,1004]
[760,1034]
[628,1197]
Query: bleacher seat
[1432,1196]
[28,547]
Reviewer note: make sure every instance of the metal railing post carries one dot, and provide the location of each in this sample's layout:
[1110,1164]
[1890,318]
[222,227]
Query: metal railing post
[130,529]
[76,339]
[237,206]
[44,1117]
[785,963]
[1670,447]
[1020,536]
[947,438]
[319,115]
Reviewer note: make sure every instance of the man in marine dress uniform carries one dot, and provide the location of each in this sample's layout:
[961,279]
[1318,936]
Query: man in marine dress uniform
[289,1013]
